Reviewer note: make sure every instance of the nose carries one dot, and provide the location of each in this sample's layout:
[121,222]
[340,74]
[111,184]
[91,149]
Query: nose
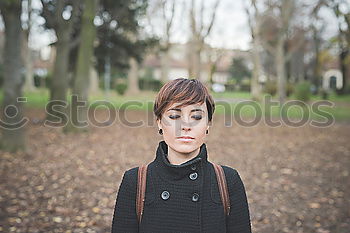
[185,128]
[186,125]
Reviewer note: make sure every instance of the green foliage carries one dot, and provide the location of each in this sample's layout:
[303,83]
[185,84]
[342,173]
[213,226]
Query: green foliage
[245,85]
[323,93]
[239,69]
[150,84]
[302,91]
[118,34]
[347,89]
[231,85]
[290,89]
[45,81]
[148,73]
[270,87]
[121,87]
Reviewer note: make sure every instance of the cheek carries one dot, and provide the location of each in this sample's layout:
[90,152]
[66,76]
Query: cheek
[170,126]
[200,129]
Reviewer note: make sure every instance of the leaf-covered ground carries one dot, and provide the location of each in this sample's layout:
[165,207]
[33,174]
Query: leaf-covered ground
[297,179]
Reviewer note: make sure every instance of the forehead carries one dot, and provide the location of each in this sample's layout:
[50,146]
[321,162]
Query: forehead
[191,106]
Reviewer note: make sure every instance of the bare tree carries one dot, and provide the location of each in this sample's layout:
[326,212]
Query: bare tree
[13,132]
[277,23]
[28,58]
[165,44]
[167,10]
[199,32]
[254,20]
[214,56]
[133,77]
[317,29]
[341,10]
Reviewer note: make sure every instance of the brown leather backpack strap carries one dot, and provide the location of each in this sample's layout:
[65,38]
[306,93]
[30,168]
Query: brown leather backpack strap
[141,190]
[225,198]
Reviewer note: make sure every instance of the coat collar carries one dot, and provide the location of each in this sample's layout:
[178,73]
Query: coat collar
[177,172]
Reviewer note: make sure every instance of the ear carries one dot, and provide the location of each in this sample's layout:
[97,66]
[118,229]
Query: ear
[159,124]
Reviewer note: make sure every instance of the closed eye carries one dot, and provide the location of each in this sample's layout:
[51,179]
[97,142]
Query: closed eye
[196,117]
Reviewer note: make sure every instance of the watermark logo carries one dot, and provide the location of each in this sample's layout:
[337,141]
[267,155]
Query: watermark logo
[269,111]
[12,120]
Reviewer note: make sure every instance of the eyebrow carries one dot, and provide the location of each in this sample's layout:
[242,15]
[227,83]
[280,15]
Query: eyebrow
[193,110]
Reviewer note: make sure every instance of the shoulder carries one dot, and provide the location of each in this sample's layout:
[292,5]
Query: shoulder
[231,174]
[129,179]
[131,172]
[233,178]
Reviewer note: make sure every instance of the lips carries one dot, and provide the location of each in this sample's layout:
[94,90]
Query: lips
[186,137]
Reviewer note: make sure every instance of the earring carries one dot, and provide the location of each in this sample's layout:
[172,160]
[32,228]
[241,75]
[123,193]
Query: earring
[207,132]
[160,131]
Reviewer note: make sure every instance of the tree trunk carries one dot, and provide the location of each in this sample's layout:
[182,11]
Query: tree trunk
[13,130]
[189,54]
[28,63]
[197,61]
[79,113]
[344,67]
[316,79]
[59,81]
[133,85]
[165,66]
[281,71]
[194,59]
[27,56]
[255,86]
[94,81]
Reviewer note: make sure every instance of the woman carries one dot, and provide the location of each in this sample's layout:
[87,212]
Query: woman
[182,194]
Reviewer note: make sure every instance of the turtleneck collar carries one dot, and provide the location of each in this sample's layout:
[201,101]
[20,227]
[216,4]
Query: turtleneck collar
[177,172]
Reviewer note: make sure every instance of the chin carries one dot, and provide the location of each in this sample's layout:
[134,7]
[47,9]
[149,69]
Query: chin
[184,147]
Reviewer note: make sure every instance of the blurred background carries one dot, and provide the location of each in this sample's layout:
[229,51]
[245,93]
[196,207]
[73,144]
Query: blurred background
[102,62]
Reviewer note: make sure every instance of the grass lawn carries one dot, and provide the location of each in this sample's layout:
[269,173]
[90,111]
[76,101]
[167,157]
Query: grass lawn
[144,101]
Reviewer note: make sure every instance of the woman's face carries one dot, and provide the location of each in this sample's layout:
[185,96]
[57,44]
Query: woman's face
[184,128]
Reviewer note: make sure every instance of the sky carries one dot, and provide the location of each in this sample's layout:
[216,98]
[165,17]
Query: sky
[230,29]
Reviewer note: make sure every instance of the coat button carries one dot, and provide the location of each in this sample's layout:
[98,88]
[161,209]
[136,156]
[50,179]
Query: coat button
[165,195]
[193,167]
[193,175]
[195,197]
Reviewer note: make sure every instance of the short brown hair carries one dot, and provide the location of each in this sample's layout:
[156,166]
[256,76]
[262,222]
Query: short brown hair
[188,91]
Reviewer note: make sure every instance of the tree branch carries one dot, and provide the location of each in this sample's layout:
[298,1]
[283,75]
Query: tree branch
[289,54]
[193,19]
[213,16]
[48,15]
[169,23]
[268,47]
[201,22]
[75,42]
[75,13]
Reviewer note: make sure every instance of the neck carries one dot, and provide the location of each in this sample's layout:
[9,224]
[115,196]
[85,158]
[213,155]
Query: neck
[177,158]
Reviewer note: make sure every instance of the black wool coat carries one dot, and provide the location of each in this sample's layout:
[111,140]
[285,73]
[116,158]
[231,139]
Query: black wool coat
[181,198]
